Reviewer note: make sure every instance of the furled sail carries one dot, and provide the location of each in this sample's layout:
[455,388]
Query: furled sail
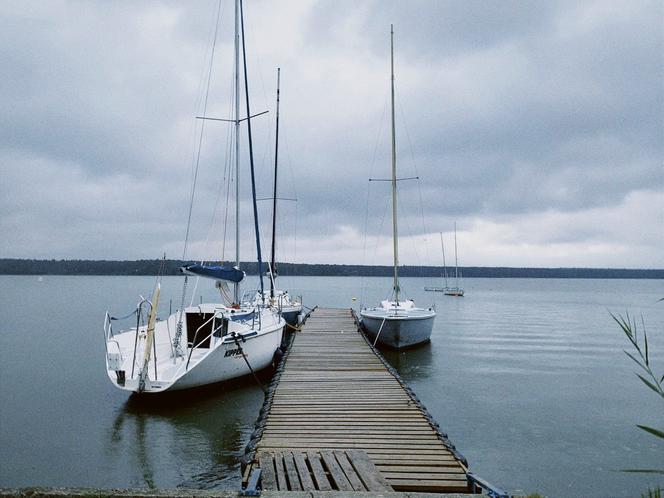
[229,273]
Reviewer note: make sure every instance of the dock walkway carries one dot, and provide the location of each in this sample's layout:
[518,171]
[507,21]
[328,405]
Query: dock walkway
[339,419]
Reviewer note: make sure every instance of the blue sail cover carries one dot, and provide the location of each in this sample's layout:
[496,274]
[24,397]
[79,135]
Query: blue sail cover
[228,273]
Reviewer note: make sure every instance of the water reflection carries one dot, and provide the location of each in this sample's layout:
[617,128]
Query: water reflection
[191,439]
[412,364]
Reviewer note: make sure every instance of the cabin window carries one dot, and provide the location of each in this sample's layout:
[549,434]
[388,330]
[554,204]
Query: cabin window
[195,321]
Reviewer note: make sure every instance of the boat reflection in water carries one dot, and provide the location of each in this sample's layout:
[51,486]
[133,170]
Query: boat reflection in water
[188,439]
[413,364]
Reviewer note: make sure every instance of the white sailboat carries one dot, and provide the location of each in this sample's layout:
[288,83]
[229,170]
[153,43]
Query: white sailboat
[397,323]
[289,306]
[435,288]
[455,291]
[206,343]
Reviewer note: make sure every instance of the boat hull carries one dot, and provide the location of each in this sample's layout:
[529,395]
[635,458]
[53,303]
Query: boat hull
[221,358]
[398,332]
[226,362]
[291,314]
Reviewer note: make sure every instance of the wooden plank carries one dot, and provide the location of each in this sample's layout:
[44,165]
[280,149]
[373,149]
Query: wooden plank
[440,486]
[435,476]
[291,472]
[337,475]
[386,469]
[322,482]
[303,472]
[268,476]
[349,471]
[336,397]
[370,475]
[282,483]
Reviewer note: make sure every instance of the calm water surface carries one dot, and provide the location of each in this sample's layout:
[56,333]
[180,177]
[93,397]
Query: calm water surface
[527,376]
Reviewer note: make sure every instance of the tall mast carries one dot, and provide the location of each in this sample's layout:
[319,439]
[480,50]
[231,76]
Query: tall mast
[274,194]
[236,286]
[456,262]
[395,240]
[251,154]
[442,246]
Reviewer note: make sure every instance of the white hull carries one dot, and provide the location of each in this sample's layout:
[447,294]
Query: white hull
[216,357]
[400,329]
[289,307]
[291,314]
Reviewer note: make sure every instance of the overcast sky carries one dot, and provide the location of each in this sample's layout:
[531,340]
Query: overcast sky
[537,126]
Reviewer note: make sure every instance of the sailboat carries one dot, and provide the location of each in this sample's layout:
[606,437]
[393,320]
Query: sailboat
[435,288]
[397,323]
[289,306]
[206,343]
[455,291]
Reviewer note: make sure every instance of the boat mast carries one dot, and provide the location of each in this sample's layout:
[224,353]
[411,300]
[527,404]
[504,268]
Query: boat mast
[251,154]
[442,246]
[394,176]
[456,262]
[236,286]
[274,194]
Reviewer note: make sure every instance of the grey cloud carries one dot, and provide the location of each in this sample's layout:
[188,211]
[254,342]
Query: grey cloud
[512,110]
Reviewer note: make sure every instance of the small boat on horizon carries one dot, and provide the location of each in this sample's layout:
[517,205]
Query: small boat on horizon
[397,323]
[455,291]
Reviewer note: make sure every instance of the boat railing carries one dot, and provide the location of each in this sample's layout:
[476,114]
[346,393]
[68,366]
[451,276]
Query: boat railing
[108,335]
[108,325]
[139,309]
[195,345]
[256,318]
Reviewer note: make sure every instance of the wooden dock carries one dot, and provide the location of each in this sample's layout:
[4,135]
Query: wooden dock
[338,419]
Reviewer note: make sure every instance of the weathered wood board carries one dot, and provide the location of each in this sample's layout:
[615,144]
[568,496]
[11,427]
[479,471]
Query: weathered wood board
[339,420]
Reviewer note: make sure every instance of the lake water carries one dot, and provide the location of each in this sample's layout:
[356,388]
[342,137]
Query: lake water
[527,377]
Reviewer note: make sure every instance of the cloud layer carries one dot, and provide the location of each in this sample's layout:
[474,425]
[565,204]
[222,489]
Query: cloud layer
[538,127]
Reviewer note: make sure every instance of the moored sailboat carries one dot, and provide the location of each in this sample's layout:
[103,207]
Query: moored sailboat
[448,290]
[397,323]
[289,306]
[209,342]
[455,291]
[435,288]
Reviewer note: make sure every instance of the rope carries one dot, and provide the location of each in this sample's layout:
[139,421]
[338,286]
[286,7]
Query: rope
[250,449]
[442,436]
[237,343]
[296,329]
[200,140]
[178,327]
[379,331]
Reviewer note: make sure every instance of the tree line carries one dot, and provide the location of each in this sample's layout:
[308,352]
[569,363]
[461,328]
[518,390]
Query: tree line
[172,267]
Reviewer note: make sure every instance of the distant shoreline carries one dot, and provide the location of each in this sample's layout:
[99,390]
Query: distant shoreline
[10,266]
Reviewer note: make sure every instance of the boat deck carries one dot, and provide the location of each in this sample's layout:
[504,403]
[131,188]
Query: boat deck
[339,419]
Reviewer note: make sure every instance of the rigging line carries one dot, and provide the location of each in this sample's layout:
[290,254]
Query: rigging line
[295,236]
[409,232]
[200,141]
[382,224]
[229,182]
[371,168]
[267,143]
[364,243]
[222,182]
[251,153]
[378,140]
[283,130]
[230,155]
[419,184]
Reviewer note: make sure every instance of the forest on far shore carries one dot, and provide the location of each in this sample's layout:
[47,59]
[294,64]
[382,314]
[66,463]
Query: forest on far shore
[172,267]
